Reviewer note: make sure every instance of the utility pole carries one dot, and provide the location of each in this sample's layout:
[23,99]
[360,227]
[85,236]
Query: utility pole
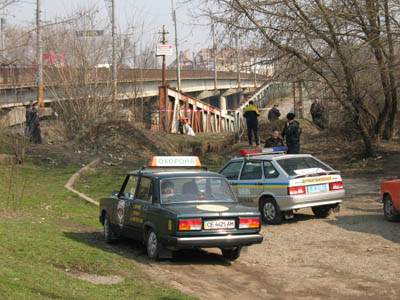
[39,59]
[237,62]
[178,59]
[114,54]
[255,74]
[2,24]
[163,95]
[215,57]
[164,66]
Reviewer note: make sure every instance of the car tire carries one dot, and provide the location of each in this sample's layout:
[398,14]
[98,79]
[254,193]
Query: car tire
[270,211]
[109,234]
[321,211]
[231,254]
[389,211]
[152,245]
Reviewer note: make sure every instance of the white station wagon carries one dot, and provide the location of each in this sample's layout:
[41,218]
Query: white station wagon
[279,183]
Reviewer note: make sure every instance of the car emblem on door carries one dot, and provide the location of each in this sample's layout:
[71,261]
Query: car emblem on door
[120,212]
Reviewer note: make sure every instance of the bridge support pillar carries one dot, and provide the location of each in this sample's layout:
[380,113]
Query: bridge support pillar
[222,102]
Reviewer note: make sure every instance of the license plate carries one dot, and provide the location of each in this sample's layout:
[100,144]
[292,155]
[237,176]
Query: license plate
[219,224]
[317,188]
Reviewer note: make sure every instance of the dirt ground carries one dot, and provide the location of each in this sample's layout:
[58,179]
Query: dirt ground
[353,254]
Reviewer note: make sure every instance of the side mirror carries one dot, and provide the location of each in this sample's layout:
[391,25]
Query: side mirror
[115,193]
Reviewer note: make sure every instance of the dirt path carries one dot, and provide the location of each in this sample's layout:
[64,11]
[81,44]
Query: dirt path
[353,254]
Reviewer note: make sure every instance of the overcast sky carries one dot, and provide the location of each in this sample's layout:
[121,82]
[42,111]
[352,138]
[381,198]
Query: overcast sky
[154,13]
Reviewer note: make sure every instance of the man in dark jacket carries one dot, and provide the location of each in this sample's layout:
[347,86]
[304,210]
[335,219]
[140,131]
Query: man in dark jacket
[317,112]
[34,125]
[274,140]
[274,113]
[251,114]
[292,132]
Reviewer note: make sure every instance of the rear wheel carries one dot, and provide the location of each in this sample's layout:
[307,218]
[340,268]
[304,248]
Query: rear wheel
[322,211]
[389,211]
[152,245]
[270,211]
[231,254]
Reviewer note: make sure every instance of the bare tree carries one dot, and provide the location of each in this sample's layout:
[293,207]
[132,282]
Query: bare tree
[348,45]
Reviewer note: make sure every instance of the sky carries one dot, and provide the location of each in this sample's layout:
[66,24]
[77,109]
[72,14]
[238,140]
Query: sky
[155,14]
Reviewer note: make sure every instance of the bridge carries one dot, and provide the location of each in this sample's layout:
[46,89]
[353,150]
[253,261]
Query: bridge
[210,105]
[18,86]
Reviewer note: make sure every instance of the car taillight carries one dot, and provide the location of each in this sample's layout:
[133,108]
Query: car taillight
[192,224]
[336,186]
[249,223]
[296,190]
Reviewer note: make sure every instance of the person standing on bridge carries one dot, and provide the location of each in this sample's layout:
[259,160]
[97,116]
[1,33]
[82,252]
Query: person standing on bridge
[251,114]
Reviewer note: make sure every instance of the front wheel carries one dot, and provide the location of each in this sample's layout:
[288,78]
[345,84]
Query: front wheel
[231,254]
[152,245]
[109,235]
[322,211]
[270,211]
[389,211]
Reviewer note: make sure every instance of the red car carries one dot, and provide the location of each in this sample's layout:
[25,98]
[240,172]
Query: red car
[390,191]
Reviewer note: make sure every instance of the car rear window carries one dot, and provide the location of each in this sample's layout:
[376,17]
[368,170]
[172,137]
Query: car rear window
[195,189]
[293,166]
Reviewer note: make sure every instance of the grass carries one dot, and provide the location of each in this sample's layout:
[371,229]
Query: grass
[50,233]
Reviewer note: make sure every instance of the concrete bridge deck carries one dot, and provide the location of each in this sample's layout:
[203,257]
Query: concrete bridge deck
[18,86]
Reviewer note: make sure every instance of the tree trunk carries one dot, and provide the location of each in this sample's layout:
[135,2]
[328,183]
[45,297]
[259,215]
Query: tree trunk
[368,139]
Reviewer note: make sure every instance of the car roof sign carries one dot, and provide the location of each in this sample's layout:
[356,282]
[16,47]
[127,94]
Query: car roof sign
[175,161]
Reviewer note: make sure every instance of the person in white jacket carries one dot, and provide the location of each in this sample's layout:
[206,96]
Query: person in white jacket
[189,129]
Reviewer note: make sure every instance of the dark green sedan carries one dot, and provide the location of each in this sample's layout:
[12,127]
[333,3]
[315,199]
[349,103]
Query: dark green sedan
[179,208]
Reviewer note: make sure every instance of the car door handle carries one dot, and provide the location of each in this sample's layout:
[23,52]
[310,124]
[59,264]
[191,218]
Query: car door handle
[259,183]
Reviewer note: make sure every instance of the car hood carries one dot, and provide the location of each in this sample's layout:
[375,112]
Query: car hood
[211,209]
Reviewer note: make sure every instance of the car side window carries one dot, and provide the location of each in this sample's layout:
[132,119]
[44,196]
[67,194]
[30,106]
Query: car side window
[252,170]
[269,170]
[231,171]
[130,187]
[145,190]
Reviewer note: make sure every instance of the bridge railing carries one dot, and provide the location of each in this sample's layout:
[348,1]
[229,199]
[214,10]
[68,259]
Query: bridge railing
[14,77]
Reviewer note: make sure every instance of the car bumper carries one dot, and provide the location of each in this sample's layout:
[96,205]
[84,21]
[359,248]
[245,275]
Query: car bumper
[303,201]
[225,241]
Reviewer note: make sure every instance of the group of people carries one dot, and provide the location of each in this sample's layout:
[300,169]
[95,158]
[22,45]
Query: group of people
[291,131]
[32,128]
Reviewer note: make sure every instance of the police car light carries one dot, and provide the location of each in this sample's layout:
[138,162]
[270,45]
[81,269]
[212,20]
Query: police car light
[175,161]
[262,151]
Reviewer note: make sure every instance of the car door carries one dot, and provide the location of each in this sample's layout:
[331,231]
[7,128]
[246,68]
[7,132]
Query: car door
[396,194]
[250,184]
[140,205]
[231,172]
[124,206]
[273,183]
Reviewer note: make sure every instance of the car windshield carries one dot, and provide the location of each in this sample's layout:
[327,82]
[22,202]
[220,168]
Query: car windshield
[302,166]
[195,190]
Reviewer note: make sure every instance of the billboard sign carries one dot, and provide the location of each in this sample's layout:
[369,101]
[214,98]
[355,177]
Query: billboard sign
[84,33]
[163,50]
